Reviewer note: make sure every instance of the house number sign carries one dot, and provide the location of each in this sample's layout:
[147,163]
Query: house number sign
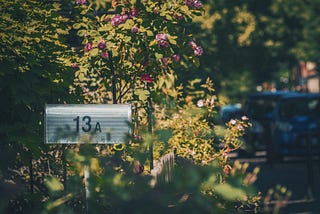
[87,123]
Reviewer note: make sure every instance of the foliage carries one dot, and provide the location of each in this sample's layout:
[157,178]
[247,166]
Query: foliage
[32,39]
[129,42]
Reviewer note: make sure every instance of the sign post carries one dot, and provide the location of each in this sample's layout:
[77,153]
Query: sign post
[86,123]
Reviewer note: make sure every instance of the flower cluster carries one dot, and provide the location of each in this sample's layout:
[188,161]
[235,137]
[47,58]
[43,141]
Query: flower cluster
[120,19]
[197,50]
[168,60]
[88,47]
[208,103]
[195,4]
[104,54]
[134,30]
[176,57]
[75,66]
[134,12]
[146,78]
[162,39]
[239,125]
[80,2]
[102,45]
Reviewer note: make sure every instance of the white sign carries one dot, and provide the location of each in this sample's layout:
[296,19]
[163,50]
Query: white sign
[87,123]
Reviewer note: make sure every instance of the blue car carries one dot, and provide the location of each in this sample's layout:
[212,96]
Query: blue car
[296,122]
[259,108]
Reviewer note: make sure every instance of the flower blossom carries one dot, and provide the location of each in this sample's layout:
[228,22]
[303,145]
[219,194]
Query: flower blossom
[226,170]
[240,127]
[88,47]
[102,45]
[198,51]
[134,12]
[244,118]
[176,57]
[119,19]
[233,122]
[105,54]
[75,66]
[162,39]
[166,60]
[200,103]
[134,30]
[146,78]
[79,2]
[195,4]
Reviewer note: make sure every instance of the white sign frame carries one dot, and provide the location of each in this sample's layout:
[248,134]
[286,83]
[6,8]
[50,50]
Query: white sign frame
[87,123]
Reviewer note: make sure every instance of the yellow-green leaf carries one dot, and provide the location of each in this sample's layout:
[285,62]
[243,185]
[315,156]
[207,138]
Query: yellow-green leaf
[53,184]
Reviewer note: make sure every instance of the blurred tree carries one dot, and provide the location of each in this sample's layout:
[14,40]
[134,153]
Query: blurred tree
[262,40]
[32,35]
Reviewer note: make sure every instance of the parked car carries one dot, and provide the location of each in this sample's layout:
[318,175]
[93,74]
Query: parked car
[296,119]
[259,109]
[228,112]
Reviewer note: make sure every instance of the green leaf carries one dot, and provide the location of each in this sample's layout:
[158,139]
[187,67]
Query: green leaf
[53,184]
[94,33]
[127,39]
[172,41]
[229,192]
[158,56]
[129,24]
[184,8]
[94,52]
[149,33]
[81,32]
[142,94]
[81,77]
[160,82]
[76,25]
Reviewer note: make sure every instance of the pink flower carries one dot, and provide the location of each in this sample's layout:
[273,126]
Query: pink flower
[162,40]
[79,2]
[165,60]
[102,45]
[88,47]
[179,17]
[74,66]
[198,51]
[134,30]
[195,4]
[176,57]
[226,170]
[193,45]
[200,103]
[146,78]
[138,168]
[118,19]
[240,127]
[134,12]
[244,118]
[105,54]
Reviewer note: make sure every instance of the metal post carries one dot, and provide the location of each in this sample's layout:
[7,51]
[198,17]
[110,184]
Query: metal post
[150,129]
[310,166]
[64,166]
[113,80]
[86,185]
